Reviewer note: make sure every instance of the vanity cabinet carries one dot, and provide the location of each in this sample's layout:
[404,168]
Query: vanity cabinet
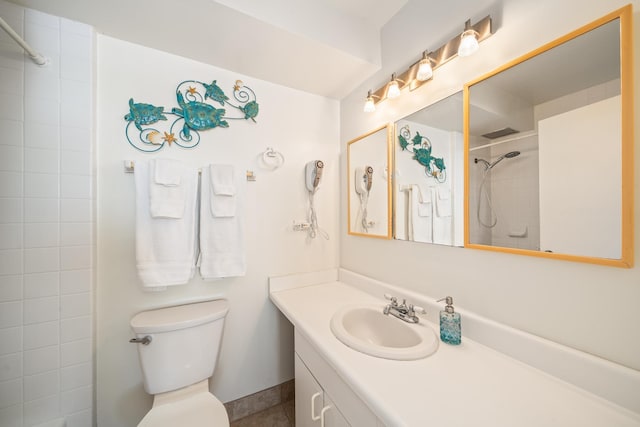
[318,386]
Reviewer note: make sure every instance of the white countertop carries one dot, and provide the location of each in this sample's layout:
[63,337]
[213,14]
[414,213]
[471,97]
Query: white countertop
[463,385]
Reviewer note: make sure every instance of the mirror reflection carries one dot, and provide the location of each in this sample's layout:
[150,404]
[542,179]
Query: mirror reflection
[368,184]
[545,150]
[428,147]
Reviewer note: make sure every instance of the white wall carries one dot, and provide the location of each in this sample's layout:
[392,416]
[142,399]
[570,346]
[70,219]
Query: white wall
[563,301]
[46,222]
[257,348]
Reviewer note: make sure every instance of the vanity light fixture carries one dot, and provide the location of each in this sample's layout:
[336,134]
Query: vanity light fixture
[425,71]
[463,44]
[468,40]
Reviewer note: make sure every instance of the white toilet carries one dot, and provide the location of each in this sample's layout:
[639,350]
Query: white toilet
[178,348]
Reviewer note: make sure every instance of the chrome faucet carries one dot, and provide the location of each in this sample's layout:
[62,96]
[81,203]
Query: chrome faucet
[403,311]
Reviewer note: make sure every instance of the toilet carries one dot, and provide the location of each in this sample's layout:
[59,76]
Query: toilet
[178,348]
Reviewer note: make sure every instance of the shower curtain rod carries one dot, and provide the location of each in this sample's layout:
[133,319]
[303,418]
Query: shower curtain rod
[35,56]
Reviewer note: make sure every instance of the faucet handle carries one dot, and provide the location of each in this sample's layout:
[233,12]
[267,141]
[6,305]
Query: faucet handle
[417,309]
[391,298]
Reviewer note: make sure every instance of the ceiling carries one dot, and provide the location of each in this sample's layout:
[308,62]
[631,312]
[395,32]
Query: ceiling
[325,47]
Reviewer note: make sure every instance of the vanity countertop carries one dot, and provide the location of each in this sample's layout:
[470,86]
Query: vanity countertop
[464,385]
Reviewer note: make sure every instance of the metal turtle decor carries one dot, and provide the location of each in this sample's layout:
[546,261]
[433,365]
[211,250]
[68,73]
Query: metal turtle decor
[420,146]
[193,114]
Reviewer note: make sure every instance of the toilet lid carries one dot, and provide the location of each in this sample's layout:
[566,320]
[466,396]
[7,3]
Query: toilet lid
[200,410]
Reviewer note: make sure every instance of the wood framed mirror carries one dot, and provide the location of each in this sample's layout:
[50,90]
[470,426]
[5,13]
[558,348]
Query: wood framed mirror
[549,149]
[369,183]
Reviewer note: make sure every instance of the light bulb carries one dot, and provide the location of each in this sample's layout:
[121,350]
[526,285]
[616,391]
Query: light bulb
[425,71]
[393,91]
[369,106]
[468,43]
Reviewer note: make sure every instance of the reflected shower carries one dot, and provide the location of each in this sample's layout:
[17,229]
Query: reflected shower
[487,165]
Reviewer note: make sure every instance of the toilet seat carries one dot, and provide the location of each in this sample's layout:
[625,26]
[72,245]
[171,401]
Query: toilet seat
[193,406]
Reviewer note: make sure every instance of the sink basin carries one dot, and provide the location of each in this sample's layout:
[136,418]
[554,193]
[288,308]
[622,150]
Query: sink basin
[366,329]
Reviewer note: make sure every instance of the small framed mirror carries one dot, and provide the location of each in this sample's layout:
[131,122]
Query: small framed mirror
[428,169]
[369,183]
[549,149]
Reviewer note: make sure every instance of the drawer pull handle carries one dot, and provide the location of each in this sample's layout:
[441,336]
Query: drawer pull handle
[325,409]
[313,406]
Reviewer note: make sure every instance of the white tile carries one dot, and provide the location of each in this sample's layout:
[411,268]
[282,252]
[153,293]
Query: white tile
[42,111]
[42,136]
[75,305]
[76,139]
[75,234]
[11,132]
[41,85]
[75,186]
[75,210]
[75,400]
[10,210]
[11,339]
[76,69]
[11,261]
[40,260]
[75,258]
[11,81]
[10,314]
[41,335]
[75,92]
[10,288]
[41,210]
[75,376]
[38,285]
[41,360]
[76,114]
[41,410]
[75,281]
[40,185]
[75,45]
[10,366]
[45,40]
[10,393]
[80,419]
[12,55]
[74,329]
[41,235]
[75,162]
[73,27]
[11,158]
[75,352]
[11,107]
[41,160]
[41,18]
[12,416]
[38,310]
[14,15]
[10,184]
[53,64]
[10,236]
[41,385]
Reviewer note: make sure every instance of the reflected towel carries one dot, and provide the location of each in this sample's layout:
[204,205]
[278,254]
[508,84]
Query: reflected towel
[420,229]
[443,201]
[165,247]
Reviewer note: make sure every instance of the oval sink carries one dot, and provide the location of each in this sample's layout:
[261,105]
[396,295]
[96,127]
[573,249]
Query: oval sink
[366,329]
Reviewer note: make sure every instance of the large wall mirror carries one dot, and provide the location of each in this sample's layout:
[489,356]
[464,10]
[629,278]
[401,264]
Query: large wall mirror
[428,189]
[549,149]
[369,183]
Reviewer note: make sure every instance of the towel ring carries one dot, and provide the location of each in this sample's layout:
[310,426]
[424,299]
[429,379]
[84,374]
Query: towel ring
[272,159]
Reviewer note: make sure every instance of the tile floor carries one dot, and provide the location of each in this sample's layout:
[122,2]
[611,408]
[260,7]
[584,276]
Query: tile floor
[282,415]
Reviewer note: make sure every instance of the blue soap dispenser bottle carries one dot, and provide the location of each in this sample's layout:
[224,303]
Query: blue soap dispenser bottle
[450,331]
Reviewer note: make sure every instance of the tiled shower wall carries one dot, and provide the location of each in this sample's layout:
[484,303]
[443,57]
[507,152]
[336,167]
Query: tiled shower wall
[46,222]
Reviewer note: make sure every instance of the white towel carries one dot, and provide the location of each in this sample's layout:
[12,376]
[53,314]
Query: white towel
[165,247]
[221,237]
[166,194]
[443,221]
[443,201]
[223,190]
[420,225]
[425,205]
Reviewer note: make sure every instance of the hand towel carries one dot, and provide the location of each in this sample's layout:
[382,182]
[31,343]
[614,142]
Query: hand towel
[421,227]
[443,221]
[223,190]
[443,201]
[221,237]
[425,203]
[166,194]
[165,247]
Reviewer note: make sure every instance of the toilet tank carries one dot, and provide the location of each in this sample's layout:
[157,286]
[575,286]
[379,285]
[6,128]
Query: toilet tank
[184,347]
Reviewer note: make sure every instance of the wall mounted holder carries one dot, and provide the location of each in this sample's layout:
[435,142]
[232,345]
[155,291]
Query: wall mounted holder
[194,113]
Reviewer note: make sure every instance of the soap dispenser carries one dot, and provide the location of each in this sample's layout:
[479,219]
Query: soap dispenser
[450,331]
